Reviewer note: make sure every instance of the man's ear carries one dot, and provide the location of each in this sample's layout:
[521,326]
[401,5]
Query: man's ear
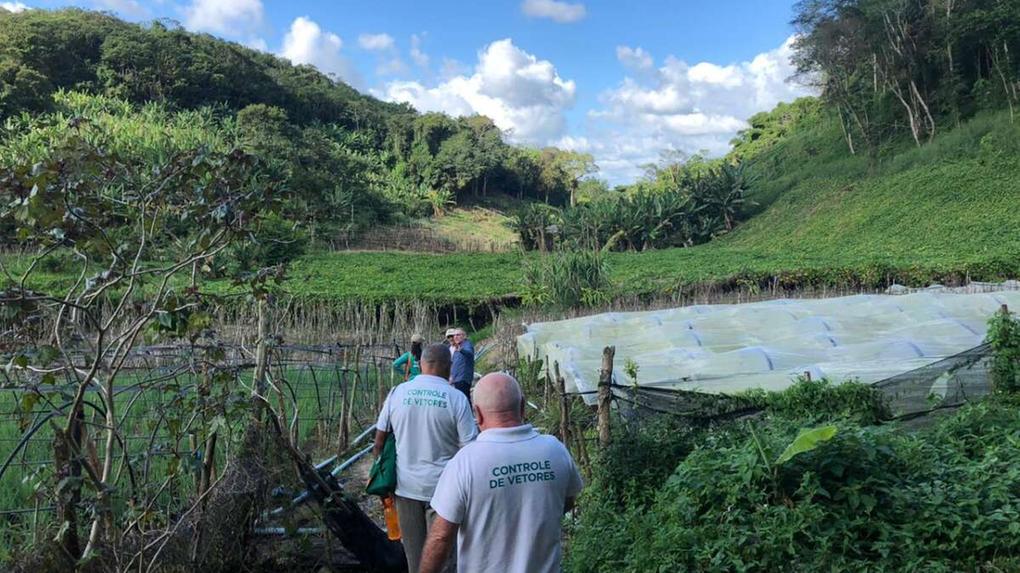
[478,415]
[523,404]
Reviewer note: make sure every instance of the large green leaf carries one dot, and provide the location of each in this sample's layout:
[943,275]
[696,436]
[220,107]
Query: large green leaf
[806,441]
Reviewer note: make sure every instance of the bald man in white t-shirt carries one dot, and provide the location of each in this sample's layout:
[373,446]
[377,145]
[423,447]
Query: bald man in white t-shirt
[502,496]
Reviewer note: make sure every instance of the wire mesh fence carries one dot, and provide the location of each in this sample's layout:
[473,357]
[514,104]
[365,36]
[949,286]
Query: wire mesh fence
[327,396]
[914,398]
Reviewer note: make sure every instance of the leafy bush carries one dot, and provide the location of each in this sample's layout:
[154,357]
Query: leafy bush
[536,224]
[695,202]
[566,279]
[871,498]
[1004,338]
[811,401]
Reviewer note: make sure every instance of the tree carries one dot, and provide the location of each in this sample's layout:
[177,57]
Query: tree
[523,165]
[121,221]
[22,88]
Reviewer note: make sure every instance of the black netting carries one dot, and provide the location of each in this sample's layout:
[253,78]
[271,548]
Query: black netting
[948,383]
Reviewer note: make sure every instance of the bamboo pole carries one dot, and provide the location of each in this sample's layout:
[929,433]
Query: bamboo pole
[605,394]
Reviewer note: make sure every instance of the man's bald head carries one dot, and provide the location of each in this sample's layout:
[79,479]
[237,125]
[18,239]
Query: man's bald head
[499,400]
[435,360]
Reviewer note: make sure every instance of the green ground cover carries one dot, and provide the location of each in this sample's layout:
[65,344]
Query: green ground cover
[873,498]
[475,224]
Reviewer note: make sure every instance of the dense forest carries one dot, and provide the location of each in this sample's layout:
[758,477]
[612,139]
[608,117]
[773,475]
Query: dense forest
[342,160]
[893,67]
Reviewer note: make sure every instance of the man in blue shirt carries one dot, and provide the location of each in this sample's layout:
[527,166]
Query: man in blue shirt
[462,352]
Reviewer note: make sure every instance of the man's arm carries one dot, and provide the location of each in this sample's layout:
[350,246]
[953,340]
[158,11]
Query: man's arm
[380,440]
[467,348]
[442,534]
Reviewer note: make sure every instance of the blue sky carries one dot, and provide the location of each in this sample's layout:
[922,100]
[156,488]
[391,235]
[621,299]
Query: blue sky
[624,81]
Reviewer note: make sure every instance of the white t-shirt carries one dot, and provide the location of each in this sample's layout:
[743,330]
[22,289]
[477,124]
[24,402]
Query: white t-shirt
[430,420]
[507,490]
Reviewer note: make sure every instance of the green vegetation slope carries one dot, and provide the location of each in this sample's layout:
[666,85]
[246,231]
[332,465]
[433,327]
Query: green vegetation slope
[944,212]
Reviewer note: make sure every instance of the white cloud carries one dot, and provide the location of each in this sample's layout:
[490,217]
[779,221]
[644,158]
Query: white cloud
[128,8]
[257,44]
[388,62]
[307,43]
[417,55]
[635,58]
[228,18]
[13,6]
[523,95]
[375,42]
[452,68]
[562,12]
[682,107]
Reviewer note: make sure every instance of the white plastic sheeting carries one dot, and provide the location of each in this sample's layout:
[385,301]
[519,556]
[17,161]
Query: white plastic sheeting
[727,348]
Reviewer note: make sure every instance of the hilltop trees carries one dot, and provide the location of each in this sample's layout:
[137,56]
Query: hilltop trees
[890,67]
[677,205]
[342,161]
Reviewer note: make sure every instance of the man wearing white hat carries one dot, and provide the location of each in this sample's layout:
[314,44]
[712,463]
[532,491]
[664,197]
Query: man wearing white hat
[462,353]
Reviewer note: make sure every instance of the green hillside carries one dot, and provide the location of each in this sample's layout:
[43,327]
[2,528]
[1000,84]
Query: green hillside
[943,212]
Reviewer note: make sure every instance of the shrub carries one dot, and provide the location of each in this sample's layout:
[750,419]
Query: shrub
[1004,338]
[566,279]
[871,498]
[812,401]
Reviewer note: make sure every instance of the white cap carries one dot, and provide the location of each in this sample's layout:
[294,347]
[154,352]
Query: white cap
[451,331]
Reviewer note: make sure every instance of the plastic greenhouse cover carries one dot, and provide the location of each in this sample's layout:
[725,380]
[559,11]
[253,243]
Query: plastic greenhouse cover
[727,348]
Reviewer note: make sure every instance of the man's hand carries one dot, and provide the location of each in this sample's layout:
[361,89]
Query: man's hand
[442,534]
[380,441]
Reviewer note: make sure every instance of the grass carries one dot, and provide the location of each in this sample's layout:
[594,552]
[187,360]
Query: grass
[476,225]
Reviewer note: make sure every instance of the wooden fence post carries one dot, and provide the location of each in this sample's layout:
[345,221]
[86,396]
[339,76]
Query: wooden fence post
[548,387]
[382,390]
[564,407]
[605,394]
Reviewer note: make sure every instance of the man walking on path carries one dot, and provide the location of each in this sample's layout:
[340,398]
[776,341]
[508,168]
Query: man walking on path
[463,354]
[504,495]
[430,421]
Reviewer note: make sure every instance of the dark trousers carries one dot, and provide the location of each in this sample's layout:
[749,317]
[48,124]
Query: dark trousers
[464,387]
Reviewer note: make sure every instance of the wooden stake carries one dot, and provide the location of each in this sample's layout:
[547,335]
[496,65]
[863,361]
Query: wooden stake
[605,394]
[345,414]
[564,407]
[381,398]
[67,513]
